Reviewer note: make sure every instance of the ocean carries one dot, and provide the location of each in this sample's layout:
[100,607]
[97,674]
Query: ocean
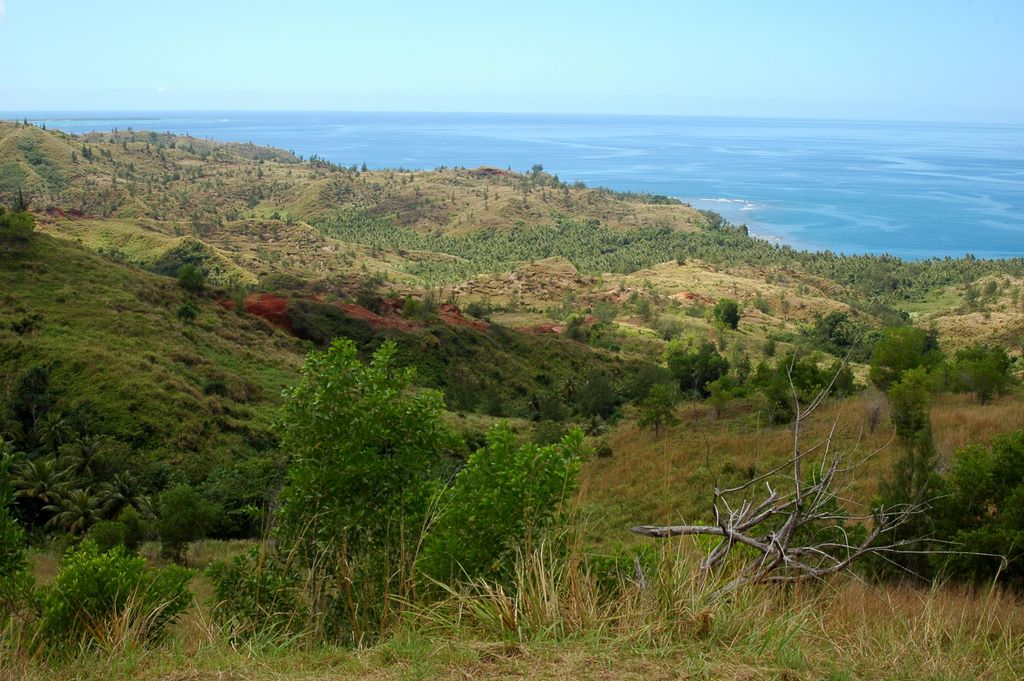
[913,190]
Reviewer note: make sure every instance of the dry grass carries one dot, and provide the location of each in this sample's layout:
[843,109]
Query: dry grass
[663,480]
[552,621]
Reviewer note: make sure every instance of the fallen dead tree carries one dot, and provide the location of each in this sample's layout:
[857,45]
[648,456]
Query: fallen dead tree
[796,529]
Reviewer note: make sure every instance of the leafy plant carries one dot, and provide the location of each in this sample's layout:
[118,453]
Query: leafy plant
[500,503]
[103,597]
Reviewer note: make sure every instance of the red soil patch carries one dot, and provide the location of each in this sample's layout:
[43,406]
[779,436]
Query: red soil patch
[690,297]
[272,308]
[389,320]
[451,314]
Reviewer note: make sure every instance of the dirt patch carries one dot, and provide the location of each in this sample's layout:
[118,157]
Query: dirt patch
[451,314]
[388,320]
[270,307]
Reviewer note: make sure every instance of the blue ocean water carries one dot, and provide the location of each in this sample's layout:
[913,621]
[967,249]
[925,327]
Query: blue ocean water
[910,189]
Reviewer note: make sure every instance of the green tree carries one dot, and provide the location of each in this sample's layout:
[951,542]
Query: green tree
[366,451]
[501,502]
[901,348]
[75,512]
[183,516]
[16,227]
[695,368]
[985,371]
[727,313]
[982,512]
[658,409]
[15,575]
[191,278]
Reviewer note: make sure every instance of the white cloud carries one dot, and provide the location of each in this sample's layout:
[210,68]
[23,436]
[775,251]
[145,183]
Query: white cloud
[2,8]
[162,88]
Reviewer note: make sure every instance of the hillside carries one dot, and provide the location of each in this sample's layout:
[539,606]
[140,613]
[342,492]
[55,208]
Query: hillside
[153,329]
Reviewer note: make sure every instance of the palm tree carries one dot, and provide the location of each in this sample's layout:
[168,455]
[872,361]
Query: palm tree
[41,480]
[54,430]
[119,492]
[76,512]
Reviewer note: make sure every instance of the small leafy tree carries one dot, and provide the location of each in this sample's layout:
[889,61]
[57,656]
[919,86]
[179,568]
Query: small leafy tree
[727,313]
[15,576]
[366,450]
[982,512]
[184,516]
[985,371]
[899,349]
[658,409]
[695,368]
[191,278]
[500,503]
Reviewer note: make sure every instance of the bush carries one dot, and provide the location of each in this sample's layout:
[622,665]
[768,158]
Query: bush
[187,312]
[98,596]
[16,226]
[184,516]
[366,452]
[695,368]
[727,313]
[257,595]
[500,503]
[107,534]
[191,278]
[15,575]
[983,512]
[899,349]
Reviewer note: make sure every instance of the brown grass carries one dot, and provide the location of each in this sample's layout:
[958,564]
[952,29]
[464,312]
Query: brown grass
[664,479]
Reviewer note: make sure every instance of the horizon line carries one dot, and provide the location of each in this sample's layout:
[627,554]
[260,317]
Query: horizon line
[115,114]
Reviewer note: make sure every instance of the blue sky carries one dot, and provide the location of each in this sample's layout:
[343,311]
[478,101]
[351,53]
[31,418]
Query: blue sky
[950,60]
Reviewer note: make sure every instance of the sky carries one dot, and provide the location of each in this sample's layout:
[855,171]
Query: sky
[930,60]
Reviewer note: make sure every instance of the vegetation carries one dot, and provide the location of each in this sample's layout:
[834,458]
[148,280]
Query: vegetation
[436,494]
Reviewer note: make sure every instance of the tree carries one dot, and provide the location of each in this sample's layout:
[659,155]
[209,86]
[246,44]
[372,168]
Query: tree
[183,516]
[985,371]
[120,492]
[727,313]
[40,485]
[366,453]
[798,530]
[191,278]
[659,407]
[695,368]
[899,349]
[596,396]
[501,502]
[982,512]
[75,512]
[16,227]
[15,575]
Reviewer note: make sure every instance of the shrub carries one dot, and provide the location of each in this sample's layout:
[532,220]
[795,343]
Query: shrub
[500,503]
[257,595]
[366,450]
[107,534]
[899,349]
[97,596]
[187,312]
[15,575]
[727,313]
[16,226]
[695,368]
[184,516]
[191,278]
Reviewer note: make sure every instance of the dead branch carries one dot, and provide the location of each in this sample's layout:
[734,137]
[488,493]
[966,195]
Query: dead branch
[801,533]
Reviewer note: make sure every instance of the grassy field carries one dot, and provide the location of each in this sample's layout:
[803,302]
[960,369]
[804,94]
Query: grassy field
[554,624]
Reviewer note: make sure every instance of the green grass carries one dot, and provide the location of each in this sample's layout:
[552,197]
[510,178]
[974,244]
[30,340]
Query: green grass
[109,339]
